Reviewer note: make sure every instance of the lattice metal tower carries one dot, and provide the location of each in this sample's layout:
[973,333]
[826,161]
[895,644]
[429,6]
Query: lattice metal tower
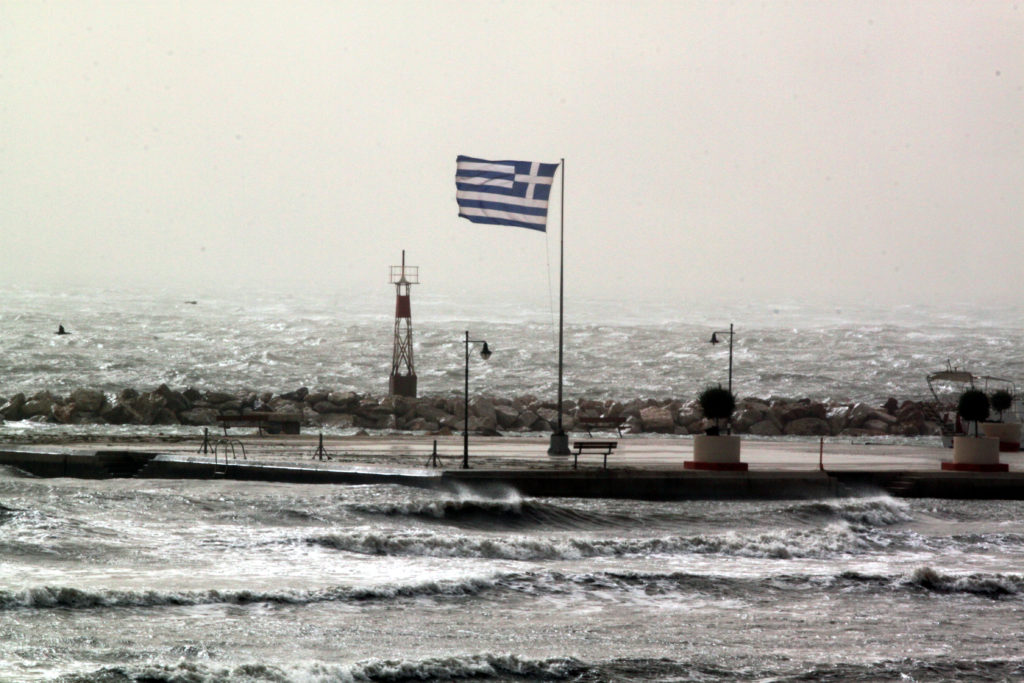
[403,373]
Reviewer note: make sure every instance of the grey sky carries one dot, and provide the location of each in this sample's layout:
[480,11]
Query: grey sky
[822,150]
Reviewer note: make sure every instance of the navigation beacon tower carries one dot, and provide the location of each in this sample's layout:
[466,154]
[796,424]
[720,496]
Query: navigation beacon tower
[403,374]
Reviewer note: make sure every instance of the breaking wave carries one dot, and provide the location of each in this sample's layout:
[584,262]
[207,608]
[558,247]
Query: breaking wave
[481,667]
[877,511]
[834,540]
[512,513]
[986,585]
[510,667]
[542,583]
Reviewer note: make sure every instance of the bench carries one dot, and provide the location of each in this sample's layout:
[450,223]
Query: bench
[590,423]
[272,423]
[580,446]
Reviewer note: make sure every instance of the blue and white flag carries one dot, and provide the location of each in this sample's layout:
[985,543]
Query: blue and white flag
[504,192]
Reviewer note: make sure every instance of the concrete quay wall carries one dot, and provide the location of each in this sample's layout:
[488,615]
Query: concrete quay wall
[632,483]
[648,484]
[102,464]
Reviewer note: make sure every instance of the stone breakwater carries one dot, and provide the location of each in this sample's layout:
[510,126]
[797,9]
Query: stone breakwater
[487,415]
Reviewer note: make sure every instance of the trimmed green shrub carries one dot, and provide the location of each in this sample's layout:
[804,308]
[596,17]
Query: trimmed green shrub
[717,403]
[1001,400]
[973,406]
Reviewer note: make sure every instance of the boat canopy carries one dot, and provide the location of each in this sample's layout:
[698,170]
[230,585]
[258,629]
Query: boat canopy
[961,376]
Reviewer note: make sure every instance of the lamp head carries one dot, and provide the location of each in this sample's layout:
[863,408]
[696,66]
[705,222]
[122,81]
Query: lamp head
[714,337]
[485,352]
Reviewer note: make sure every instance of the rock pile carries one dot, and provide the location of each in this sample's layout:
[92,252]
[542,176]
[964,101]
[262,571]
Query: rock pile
[487,415]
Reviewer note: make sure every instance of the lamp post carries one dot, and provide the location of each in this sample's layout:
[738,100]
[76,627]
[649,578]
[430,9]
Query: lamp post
[716,340]
[485,353]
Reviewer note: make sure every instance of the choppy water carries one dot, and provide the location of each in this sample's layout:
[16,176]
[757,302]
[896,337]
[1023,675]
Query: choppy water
[135,580]
[126,580]
[263,340]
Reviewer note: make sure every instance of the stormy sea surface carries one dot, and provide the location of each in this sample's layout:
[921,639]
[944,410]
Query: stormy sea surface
[166,580]
[266,341]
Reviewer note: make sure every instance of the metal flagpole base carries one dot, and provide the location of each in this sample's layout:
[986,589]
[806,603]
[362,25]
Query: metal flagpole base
[559,444]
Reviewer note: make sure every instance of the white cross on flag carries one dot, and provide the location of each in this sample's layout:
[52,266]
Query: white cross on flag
[504,192]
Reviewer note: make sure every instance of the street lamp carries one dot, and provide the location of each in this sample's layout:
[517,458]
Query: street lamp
[716,340]
[485,353]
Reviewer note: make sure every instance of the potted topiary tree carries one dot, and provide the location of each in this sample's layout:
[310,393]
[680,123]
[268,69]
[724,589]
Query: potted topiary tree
[973,406]
[976,453]
[714,450]
[1008,433]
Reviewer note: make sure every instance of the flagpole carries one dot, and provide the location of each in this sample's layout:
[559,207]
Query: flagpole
[559,439]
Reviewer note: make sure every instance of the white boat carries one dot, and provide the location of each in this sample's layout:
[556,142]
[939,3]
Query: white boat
[946,387]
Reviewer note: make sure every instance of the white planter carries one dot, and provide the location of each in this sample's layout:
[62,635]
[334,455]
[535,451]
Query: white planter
[1008,434]
[975,450]
[716,449]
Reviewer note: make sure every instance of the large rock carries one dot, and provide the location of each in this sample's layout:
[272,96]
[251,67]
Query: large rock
[506,416]
[808,426]
[297,395]
[549,415]
[431,413]
[747,417]
[803,409]
[314,397]
[318,396]
[485,413]
[219,397]
[387,423]
[165,416]
[338,420]
[765,428]
[858,414]
[127,395]
[199,417]
[64,414]
[591,407]
[876,426]
[657,419]
[175,401]
[418,424]
[11,410]
[346,399]
[40,404]
[326,408]
[690,417]
[526,420]
[88,400]
[121,414]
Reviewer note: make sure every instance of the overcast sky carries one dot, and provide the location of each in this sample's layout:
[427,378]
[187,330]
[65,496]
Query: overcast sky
[829,151]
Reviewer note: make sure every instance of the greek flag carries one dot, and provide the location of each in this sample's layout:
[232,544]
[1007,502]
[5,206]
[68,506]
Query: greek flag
[504,192]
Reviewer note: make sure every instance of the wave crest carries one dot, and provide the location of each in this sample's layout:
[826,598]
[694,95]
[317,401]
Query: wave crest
[486,666]
[496,514]
[987,585]
[874,511]
[835,539]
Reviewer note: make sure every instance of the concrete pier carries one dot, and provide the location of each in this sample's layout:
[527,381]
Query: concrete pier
[642,468]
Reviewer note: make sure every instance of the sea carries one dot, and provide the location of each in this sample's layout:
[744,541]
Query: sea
[612,349]
[194,581]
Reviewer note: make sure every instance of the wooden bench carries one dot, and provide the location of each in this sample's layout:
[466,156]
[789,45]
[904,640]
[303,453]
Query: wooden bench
[590,423]
[272,423]
[580,446]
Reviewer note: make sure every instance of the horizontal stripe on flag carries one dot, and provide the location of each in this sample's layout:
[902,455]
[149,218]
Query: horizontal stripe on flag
[513,216]
[484,180]
[506,199]
[464,166]
[480,208]
[504,192]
